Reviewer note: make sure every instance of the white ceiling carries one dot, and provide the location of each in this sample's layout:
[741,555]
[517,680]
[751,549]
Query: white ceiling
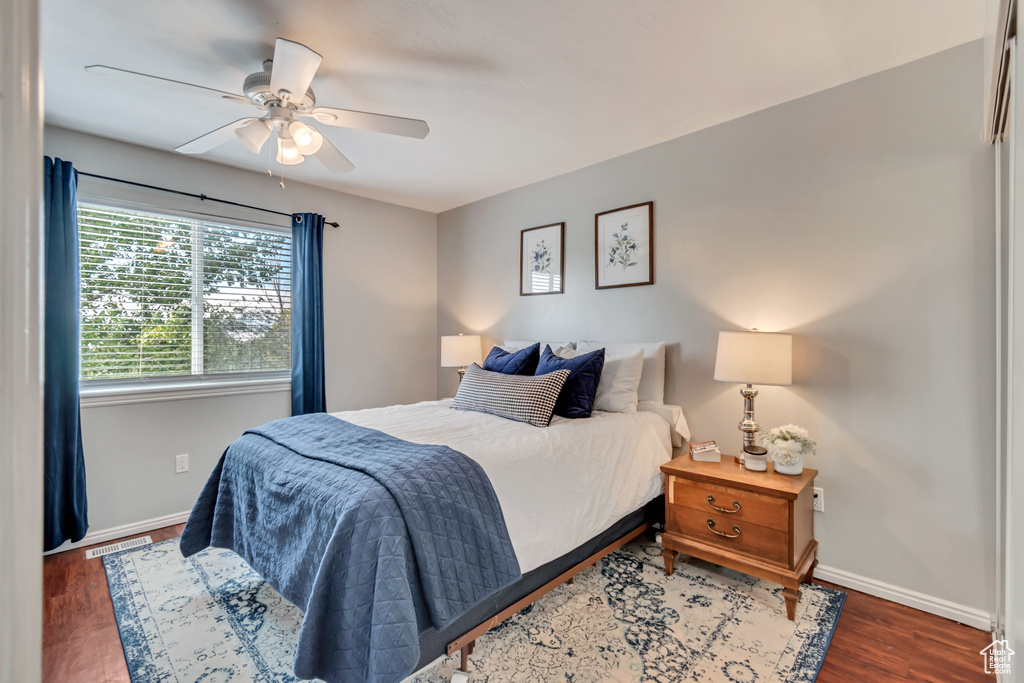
[514,91]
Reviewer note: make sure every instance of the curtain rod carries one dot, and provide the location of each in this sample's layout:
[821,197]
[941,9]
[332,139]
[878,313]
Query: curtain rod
[201,197]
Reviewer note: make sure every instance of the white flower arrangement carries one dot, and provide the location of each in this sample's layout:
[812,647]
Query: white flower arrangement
[786,443]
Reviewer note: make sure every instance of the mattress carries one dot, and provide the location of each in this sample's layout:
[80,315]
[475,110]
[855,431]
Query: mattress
[558,486]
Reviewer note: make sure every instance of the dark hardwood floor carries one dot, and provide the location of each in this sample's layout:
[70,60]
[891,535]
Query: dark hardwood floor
[80,639]
[878,640]
[875,640]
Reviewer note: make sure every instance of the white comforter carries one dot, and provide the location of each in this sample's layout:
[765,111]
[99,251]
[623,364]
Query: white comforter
[558,487]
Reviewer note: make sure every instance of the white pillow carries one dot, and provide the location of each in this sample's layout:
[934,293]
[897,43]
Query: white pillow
[557,350]
[652,382]
[511,345]
[620,379]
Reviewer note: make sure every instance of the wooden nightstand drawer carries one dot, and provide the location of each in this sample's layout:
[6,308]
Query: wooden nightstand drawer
[751,507]
[752,539]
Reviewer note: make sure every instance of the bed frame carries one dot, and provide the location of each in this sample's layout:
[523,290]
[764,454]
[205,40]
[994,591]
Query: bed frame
[461,636]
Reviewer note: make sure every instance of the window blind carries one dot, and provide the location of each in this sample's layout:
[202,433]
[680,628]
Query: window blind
[166,296]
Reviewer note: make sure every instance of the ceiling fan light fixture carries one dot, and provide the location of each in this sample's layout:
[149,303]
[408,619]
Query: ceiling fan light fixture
[282,90]
[254,134]
[288,152]
[307,139]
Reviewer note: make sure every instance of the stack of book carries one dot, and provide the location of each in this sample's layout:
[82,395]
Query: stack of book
[706,451]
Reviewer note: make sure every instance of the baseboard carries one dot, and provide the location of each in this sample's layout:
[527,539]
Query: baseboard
[104,535]
[970,616]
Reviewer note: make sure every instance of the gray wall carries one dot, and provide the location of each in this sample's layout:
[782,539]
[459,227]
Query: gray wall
[860,220]
[380,310]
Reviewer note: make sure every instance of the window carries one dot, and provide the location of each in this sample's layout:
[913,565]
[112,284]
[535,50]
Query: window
[168,297]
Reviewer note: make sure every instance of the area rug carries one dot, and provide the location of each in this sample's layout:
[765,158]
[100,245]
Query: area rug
[210,618]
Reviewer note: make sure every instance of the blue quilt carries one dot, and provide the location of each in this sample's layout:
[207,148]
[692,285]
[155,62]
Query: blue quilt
[375,538]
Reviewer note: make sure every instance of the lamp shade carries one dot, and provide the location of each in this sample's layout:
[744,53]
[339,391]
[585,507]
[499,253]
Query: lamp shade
[307,140]
[288,152]
[254,134]
[459,351]
[754,358]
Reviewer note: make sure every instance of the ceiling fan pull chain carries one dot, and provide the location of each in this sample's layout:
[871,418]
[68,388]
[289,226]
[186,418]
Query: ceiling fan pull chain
[282,177]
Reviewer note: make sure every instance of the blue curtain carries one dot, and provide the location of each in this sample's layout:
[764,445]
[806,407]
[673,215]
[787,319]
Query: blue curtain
[65,509]
[308,392]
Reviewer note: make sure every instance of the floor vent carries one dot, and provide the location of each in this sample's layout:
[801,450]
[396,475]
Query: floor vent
[118,547]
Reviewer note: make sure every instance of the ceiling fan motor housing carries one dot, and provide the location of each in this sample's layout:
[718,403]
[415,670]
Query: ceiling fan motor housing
[257,89]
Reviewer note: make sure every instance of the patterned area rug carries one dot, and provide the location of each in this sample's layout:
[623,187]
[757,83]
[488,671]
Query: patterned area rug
[210,618]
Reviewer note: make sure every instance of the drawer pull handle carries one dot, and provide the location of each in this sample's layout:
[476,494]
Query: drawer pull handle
[735,506]
[736,529]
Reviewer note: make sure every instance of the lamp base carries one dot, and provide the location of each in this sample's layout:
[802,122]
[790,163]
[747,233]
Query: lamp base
[462,373]
[748,425]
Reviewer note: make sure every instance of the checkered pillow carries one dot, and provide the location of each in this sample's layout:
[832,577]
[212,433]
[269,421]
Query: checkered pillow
[523,398]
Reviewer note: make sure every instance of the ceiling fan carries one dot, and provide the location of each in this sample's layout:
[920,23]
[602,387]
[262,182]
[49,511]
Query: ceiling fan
[282,90]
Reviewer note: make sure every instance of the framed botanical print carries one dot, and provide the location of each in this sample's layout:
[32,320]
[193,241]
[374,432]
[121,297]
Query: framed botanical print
[542,260]
[624,246]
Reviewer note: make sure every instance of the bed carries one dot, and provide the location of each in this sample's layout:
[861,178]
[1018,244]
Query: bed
[601,487]
[569,493]
[595,471]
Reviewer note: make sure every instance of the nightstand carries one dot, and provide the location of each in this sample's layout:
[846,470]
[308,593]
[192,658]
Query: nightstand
[759,523]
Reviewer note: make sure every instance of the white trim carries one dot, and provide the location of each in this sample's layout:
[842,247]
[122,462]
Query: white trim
[970,616]
[998,634]
[1005,148]
[1001,147]
[96,397]
[115,532]
[21,343]
[1010,617]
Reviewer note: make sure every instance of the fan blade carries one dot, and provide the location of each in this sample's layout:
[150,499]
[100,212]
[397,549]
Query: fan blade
[293,69]
[335,161]
[181,86]
[380,123]
[204,143]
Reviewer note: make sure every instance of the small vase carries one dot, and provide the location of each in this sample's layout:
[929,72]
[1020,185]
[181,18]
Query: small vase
[794,469]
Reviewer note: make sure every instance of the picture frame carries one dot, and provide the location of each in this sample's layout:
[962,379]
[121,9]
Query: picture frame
[624,247]
[542,260]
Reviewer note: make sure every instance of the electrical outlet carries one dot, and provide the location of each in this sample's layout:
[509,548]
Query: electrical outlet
[181,463]
[819,499]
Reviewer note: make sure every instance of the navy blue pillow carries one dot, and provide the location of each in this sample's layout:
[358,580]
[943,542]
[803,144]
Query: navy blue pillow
[521,362]
[577,396]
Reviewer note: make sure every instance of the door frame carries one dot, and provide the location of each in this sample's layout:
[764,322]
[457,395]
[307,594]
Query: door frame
[21,336]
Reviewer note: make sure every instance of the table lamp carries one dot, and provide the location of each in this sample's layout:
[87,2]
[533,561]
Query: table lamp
[753,358]
[460,351]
